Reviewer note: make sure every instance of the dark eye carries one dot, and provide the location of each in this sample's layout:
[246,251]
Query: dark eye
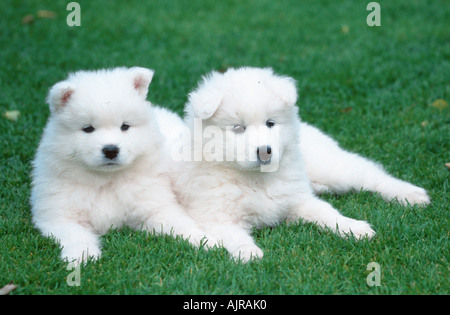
[239,129]
[270,123]
[125,127]
[88,129]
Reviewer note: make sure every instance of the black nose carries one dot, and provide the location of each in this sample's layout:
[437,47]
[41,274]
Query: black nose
[110,151]
[264,153]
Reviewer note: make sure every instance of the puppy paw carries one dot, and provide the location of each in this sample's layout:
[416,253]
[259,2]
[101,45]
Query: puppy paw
[80,254]
[209,242]
[404,192]
[359,229]
[414,196]
[248,252]
[202,240]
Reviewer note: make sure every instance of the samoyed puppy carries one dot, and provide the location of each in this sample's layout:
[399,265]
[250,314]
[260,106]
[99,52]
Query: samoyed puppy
[101,163]
[256,164]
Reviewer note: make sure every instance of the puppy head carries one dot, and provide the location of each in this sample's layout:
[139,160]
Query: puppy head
[101,119]
[254,111]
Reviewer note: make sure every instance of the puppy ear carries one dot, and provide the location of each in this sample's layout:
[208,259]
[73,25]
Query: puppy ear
[59,95]
[206,99]
[285,88]
[141,79]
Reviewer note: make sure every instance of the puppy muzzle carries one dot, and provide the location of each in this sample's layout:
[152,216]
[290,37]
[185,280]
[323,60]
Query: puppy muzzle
[264,154]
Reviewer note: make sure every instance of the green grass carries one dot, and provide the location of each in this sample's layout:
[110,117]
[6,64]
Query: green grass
[371,88]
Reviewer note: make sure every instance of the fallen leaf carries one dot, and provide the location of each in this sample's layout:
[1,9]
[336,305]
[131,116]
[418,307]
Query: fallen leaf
[7,288]
[424,123]
[345,29]
[12,115]
[439,104]
[46,14]
[345,110]
[28,19]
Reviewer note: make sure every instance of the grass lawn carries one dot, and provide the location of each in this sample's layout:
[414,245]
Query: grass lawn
[380,91]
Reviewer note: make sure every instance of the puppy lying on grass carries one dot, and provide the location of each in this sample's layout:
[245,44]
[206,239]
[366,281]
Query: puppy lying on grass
[256,164]
[101,163]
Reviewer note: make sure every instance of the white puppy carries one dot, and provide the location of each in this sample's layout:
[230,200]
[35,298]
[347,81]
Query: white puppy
[255,164]
[101,163]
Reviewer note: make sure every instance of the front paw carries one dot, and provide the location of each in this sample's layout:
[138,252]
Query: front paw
[359,229]
[80,253]
[203,240]
[248,252]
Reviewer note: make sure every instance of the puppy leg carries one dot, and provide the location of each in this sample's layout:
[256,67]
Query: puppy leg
[332,169]
[237,241]
[78,242]
[312,209]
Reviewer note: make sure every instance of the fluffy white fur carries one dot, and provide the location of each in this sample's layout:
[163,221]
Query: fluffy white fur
[79,190]
[228,198]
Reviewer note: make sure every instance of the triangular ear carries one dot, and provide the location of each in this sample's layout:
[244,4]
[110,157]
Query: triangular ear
[59,95]
[285,88]
[206,99]
[141,79]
